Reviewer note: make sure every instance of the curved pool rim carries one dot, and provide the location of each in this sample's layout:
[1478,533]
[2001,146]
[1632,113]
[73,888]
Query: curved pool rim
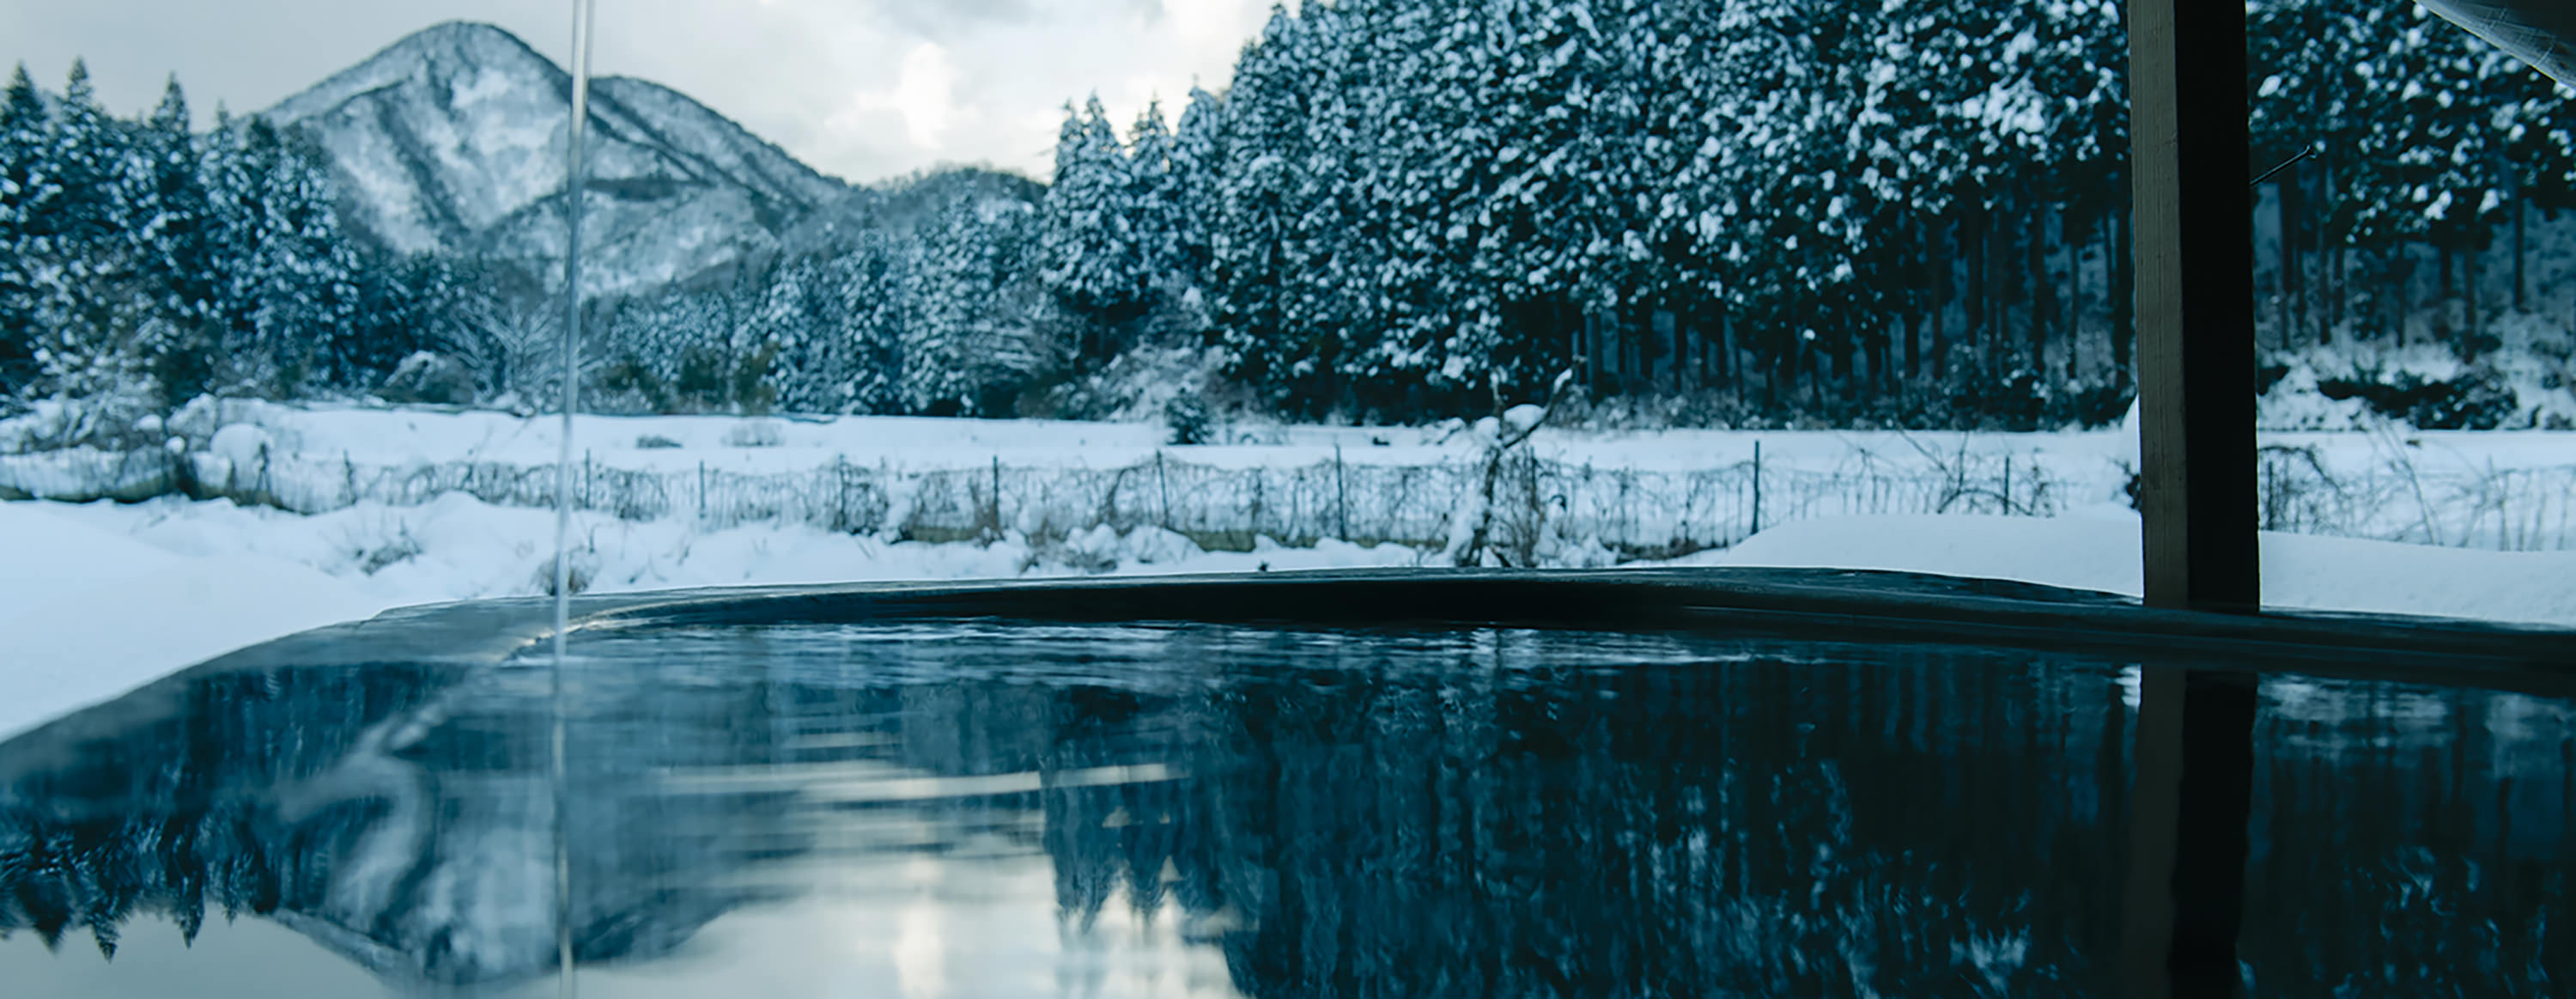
[1828,604]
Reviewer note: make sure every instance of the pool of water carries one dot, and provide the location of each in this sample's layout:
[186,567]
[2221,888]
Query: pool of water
[1001,809]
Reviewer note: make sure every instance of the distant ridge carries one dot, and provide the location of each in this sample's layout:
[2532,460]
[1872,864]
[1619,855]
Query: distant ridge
[453,140]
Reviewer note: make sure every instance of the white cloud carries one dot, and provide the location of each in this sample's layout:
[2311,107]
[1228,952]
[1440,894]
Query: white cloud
[924,96]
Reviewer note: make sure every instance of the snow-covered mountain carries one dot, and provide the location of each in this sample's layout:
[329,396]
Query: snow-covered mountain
[454,140]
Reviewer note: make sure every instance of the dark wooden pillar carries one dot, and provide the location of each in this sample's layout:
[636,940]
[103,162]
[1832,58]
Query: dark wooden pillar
[2195,302]
[2193,229]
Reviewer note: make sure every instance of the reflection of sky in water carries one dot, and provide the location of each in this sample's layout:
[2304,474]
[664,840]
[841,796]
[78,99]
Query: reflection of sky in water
[983,926]
[980,810]
[933,928]
[245,959]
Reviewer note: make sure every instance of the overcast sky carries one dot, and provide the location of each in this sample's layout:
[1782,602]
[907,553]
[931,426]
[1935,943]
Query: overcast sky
[865,89]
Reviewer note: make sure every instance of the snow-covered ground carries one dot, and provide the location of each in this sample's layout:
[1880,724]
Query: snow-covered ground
[1593,495]
[98,597]
[385,436]
[102,597]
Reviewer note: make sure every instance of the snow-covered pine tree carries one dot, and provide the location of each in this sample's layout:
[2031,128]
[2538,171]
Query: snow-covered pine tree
[1397,252]
[1152,203]
[865,285]
[290,296]
[2068,130]
[87,292]
[1198,154]
[2446,158]
[1331,303]
[1092,258]
[27,184]
[325,268]
[235,172]
[1545,225]
[1911,155]
[1765,125]
[1637,150]
[177,245]
[2293,77]
[973,339]
[1261,195]
[2381,186]
[1438,309]
[821,333]
[1691,218]
[2538,118]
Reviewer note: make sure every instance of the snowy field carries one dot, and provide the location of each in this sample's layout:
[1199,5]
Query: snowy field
[102,596]
[1577,497]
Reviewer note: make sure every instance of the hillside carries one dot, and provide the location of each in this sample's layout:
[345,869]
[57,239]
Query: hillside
[453,140]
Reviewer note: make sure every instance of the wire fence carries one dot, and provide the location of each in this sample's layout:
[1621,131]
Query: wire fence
[1631,512]
[1535,501]
[2508,509]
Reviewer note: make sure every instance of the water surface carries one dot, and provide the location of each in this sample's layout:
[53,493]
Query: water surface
[997,809]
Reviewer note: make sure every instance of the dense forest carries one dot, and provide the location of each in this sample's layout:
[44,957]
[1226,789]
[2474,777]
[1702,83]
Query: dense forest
[142,257]
[1912,212]
[1756,212]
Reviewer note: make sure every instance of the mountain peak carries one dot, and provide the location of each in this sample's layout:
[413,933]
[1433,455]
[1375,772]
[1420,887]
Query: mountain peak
[439,55]
[454,139]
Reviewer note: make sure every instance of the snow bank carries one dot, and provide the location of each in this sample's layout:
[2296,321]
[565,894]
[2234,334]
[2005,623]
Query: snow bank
[2100,551]
[100,598]
[88,613]
[409,506]
[1639,494]
[103,597]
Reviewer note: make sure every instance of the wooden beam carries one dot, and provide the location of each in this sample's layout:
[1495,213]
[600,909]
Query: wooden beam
[2195,303]
[2184,898]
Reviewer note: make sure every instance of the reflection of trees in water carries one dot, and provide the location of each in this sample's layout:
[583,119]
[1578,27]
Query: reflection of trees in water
[1337,817]
[2412,842]
[1673,830]
[400,817]
[1949,824]
[167,816]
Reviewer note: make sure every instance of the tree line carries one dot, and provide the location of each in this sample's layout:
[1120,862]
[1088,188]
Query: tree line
[1912,213]
[143,264]
[140,259]
[928,305]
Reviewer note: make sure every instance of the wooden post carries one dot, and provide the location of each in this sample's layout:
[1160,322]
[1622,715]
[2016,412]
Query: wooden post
[1757,490]
[1163,484]
[2193,231]
[1341,495]
[2195,300]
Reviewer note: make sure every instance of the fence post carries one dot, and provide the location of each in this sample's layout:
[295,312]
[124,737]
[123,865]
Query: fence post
[1757,490]
[702,494]
[349,479]
[1341,496]
[2008,503]
[997,496]
[1163,484]
[841,494]
[585,479]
